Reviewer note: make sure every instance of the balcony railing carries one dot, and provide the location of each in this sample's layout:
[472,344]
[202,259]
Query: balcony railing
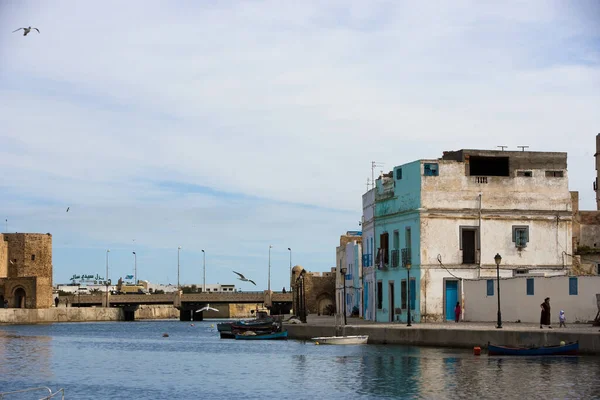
[480,179]
[395,258]
[406,257]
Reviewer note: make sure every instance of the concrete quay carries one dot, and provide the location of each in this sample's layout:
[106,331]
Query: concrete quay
[451,334]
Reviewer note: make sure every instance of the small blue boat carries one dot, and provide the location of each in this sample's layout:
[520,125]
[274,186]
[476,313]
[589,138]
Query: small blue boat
[265,336]
[567,349]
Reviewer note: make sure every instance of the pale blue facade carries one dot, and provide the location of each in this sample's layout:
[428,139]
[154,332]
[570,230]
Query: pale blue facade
[397,233]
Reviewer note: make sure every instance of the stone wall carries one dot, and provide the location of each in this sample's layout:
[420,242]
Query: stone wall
[60,314]
[319,291]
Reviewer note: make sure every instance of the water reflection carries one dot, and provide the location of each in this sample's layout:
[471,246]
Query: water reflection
[133,361]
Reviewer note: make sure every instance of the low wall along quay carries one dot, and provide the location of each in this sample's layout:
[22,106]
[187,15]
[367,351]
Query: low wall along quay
[446,335]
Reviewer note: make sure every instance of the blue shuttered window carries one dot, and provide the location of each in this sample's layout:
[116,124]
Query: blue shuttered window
[490,287]
[530,286]
[573,286]
[413,294]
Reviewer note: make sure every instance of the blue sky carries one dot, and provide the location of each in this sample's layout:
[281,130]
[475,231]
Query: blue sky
[231,126]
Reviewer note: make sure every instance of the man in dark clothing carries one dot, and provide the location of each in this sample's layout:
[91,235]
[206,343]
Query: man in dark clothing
[56,300]
[545,317]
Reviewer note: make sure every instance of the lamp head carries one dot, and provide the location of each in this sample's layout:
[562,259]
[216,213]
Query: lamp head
[178,247]
[289,248]
[408,266]
[133,252]
[498,258]
[108,250]
[343,270]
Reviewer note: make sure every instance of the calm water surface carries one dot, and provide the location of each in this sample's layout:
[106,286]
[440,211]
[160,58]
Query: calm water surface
[131,360]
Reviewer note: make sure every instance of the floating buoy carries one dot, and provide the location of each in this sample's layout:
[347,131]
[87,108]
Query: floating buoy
[477,350]
[165,335]
[316,342]
[562,342]
[192,325]
[212,326]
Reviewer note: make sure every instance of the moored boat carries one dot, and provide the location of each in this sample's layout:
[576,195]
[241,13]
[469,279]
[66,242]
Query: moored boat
[265,336]
[359,339]
[567,349]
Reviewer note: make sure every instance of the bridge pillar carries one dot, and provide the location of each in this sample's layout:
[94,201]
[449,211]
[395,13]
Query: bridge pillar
[185,315]
[198,316]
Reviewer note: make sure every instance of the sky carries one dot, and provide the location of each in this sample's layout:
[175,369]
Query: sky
[231,126]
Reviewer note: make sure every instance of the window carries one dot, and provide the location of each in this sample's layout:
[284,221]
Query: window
[33,257]
[530,286]
[413,293]
[526,174]
[488,166]
[490,287]
[403,294]
[573,286]
[379,295]
[431,169]
[399,174]
[598,267]
[520,235]
[521,272]
[554,174]
[396,240]
[408,237]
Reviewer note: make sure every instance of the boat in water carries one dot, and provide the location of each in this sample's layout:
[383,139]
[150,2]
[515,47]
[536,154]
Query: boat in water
[566,349]
[263,323]
[59,394]
[359,339]
[264,336]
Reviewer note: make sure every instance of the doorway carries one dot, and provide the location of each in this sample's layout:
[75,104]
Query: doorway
[468,245]
[19,298]
[451,298]
[391,307]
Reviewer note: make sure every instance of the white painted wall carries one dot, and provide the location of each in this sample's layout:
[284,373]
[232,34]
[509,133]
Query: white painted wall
[548,239]
[517,305]
[368,244]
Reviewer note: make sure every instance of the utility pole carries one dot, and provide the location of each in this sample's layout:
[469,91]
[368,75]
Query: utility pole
[204,269]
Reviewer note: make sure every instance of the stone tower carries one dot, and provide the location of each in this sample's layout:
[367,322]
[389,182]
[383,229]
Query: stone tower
[26,270]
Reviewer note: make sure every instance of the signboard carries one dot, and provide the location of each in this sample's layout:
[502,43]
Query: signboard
[88,278]
[354,233]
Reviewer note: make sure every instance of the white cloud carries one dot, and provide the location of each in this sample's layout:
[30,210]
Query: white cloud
[278,100]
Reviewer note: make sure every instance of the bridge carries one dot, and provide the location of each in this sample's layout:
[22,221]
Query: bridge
[186,303]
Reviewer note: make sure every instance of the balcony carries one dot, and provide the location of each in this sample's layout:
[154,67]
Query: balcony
[395,258]
[382,259]
[406,257]
[480,179]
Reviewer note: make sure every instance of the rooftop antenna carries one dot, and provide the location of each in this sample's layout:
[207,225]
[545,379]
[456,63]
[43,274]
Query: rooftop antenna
[374,164]
[368,183]
[502,147]
[523,147]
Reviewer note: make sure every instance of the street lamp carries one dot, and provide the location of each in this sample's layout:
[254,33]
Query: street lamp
[269,284]
[178,250]
[106,278]
[343,272]
[134,267]
[408,317]
[498,259]
[204,269]
[290,249]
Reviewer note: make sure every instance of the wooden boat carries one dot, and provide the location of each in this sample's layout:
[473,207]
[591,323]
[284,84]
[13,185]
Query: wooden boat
[266,336]
[361,339]
[567,349]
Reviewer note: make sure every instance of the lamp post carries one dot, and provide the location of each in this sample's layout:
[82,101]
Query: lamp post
[178,250]
[408,317]
[498,259]
[269,284]
[343,272]
[204,271]
[134,267]
[290,249]
[106,277]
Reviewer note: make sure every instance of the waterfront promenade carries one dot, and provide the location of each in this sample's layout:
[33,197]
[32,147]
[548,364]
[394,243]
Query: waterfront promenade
[451,334]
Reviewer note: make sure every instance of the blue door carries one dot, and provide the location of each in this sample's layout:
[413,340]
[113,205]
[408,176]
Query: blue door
[451,299]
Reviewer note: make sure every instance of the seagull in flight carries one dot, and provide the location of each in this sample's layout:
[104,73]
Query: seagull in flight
[26,30]
[68,209]
[207,308]
[244,279]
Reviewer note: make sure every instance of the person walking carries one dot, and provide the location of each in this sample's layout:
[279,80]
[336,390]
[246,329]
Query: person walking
[56,300]
[457,312]
[546,315]
[562,319]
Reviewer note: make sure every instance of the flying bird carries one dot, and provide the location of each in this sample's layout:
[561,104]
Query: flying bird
[26,30]
[207,308]
[244,279]
[68,209]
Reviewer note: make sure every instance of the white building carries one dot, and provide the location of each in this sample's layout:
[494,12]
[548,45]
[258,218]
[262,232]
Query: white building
[341,261]
[354,280]
[368,246]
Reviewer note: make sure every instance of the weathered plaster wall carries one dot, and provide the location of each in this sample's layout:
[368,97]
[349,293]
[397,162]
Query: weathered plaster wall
[517,305]
[3,257]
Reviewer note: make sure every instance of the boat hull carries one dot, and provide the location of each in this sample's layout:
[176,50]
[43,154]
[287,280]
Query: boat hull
[340,340]
[266,336]
[569,349]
